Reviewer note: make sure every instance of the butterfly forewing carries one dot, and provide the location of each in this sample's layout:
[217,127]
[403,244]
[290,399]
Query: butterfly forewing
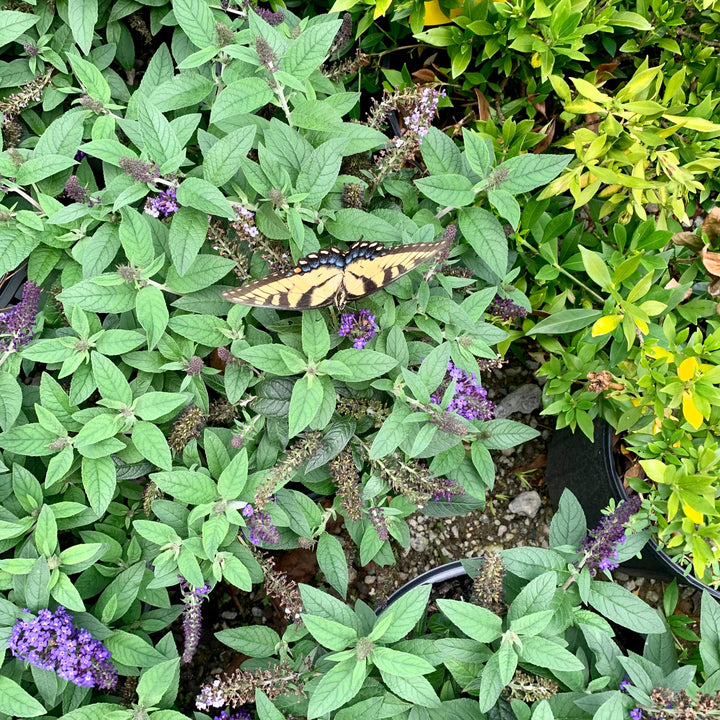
[315,288]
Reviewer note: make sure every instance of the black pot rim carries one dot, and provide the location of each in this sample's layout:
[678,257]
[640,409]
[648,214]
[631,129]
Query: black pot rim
[449,571]
[618,489]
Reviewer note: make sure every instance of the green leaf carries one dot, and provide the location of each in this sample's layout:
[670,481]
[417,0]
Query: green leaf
[14,701]
[538,651]
[223,159]
[264,707]
[91,78]
[135,237]
[110,381]
[40,167]
[309,51]
[257,641]
[98,477]
[448,190]
[333,563]
[95,297]
[12,25]
[118,342]
[440,154]
[273,359]
[204,272]
[496,674]
[31,439]
[159,139]
[235,573]
[181,91]
[132,650]
[475,621]
[81,18]
[151,444]
[155,681]
[392,433]
[416,689]
[336,687]
[318,174]
[152,313]
[566,321]
[506,434]
[201,329]
[486,236]
[478,151]
[523,173]
[46,532]
[568,526]
[154,405]
[434,367]
[233,477]
[240,97]
[202,195]
[329,633]
[363,364]
[618,604]
[400,618]
[306,399]
[399,663]
[196,20]
[186,486]
[315,336]
[10,397]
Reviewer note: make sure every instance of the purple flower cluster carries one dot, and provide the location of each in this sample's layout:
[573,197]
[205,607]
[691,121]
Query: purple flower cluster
[164,204]
[19,321]
[506,309]
[192,616]
[470,397]
[636,713]
[360,326]
[261,527]
[193,366]
[423,112]
[451,488]
[52,642]
[240,714]
[599,547]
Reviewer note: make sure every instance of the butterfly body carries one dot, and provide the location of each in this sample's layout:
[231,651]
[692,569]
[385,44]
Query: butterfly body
[332,276]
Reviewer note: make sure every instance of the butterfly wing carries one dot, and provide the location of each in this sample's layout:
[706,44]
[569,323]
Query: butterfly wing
[314,288]
[382,266]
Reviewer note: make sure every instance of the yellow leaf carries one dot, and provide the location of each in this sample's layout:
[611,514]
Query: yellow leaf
[659,353]
[381,7]
[535,60]
[641,325]
[687,368]
[433,14]
[606,325]
[690,411]
[694,515]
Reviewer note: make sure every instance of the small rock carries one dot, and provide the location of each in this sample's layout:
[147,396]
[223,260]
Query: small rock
[256,611]
[502,530]
[524,400]
[527,503]
[370,579]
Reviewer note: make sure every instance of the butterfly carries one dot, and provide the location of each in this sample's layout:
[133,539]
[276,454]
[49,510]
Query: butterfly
[331,276]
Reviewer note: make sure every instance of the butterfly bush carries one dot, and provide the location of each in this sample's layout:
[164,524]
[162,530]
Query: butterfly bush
[192,616]
[469,399]
[360,326]
[18,323]
[51,642]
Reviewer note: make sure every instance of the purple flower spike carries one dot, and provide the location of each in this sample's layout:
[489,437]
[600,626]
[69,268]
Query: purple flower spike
[600,546]
[360,326]
[261,527]
[506,309]
[240,714]
[19,321]
[192,616]
[52,642]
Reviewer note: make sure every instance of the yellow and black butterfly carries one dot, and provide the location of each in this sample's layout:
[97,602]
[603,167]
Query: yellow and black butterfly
[332,276]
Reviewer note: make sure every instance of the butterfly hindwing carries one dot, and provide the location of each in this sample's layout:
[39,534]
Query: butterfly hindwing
[314,288]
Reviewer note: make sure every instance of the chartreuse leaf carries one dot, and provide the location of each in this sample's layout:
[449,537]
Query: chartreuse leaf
[399,663]
[110,381]
[415,689]
[98,477]
[187,486]
[152,313]
[305,401]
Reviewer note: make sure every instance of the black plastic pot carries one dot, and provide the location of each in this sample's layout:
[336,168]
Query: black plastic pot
[588,470]
[449,571]
[11,287]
